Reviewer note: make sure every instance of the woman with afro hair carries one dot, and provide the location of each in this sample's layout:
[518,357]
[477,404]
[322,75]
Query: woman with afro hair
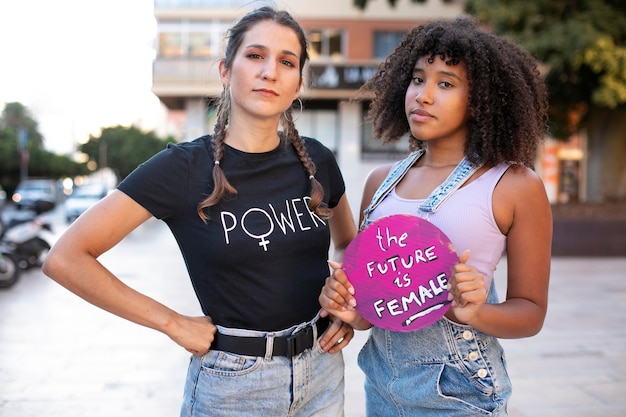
[474,108]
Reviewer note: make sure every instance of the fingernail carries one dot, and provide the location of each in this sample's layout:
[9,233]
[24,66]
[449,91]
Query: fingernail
[333,264]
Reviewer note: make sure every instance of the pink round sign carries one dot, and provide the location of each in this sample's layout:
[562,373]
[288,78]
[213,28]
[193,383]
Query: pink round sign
[399,266]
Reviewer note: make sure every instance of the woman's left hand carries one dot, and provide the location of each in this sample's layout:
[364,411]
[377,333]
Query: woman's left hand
[467,291]
[337,336]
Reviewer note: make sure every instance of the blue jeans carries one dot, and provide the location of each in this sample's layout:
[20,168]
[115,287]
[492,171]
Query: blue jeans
[225,384]
[444,370]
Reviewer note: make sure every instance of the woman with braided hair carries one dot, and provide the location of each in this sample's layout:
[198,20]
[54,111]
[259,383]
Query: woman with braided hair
[253,208]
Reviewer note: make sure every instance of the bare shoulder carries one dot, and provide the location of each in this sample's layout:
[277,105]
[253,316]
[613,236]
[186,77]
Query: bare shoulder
[374,179]
[378,174]
[521,175]
[519,194]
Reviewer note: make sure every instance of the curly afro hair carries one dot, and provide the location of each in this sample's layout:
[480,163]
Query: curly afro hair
[507,94]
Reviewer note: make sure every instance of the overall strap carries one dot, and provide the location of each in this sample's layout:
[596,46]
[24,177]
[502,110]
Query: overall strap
[461,173]
[396,173]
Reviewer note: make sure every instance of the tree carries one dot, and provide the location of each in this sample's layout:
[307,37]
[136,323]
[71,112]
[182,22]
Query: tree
[16,116]
[581,43]
[122,148]
[19,133]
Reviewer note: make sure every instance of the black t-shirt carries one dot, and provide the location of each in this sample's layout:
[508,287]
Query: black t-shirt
[261,260]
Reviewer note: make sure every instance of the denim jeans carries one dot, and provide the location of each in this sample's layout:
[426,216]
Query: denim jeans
[444,370]
[222,384]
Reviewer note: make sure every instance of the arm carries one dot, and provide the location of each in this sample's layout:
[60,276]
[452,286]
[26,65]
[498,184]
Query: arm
[342,228]
[342,231]
[337,296]
[522,212]
[73,263]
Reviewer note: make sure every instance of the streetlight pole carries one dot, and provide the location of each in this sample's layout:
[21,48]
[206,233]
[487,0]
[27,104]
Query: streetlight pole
[24,155]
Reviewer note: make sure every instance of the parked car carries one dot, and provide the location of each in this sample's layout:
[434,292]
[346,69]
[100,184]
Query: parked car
[28,192]
[81,199]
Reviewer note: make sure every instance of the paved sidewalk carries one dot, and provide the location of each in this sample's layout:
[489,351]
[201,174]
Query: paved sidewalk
[61,357]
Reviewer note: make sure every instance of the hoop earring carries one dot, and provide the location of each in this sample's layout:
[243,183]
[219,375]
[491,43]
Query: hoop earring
[301,110]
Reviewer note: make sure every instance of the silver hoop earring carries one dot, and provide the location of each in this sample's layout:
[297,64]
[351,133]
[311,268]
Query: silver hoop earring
[301,109]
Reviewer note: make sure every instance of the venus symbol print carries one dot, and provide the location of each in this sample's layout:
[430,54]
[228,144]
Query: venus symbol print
[400,266]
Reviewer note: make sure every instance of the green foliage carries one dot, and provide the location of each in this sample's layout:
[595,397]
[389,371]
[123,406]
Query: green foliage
[608,61]
[581,44]
[44,163]
[9,152]
[123,148]
[15,118]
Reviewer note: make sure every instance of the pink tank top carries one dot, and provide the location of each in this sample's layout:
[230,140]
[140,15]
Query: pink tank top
[466,218]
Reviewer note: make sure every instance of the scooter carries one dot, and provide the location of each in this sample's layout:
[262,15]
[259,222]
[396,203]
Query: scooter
[9,268]
[21,245]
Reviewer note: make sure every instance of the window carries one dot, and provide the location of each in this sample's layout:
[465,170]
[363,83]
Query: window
[170,45]
[201,46]
[385,43]
[185,39]
[326,44]
[224,4]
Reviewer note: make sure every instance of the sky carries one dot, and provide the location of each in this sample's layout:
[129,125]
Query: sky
[79,65]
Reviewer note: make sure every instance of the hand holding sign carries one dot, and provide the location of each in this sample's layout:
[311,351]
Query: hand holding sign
[400,266]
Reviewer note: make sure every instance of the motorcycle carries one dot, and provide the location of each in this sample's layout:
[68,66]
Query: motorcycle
[21,245]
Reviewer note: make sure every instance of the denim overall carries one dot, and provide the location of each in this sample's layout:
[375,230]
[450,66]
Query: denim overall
[445,370]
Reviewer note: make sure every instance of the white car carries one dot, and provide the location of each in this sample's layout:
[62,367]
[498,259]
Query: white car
[81,199]
[32,193]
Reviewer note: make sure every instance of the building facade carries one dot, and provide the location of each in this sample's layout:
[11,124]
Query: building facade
[346,46]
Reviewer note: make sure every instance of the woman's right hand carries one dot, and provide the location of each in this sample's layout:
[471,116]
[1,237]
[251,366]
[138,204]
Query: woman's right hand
[73,263]
[195,334]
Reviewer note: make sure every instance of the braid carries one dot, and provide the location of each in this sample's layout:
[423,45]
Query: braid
[221,184]
[235,39]
[316,203]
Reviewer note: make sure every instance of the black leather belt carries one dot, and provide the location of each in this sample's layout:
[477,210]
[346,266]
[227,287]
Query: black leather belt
[289,346]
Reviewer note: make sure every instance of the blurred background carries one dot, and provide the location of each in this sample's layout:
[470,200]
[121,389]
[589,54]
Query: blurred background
[91,89]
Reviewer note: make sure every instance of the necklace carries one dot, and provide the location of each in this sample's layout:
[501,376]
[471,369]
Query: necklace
[441,166]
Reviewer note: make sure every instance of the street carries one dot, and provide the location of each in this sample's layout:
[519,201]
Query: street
[61,357]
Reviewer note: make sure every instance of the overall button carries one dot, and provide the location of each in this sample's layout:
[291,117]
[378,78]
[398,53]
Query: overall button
[473,356]
[467,335]
[481,373]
